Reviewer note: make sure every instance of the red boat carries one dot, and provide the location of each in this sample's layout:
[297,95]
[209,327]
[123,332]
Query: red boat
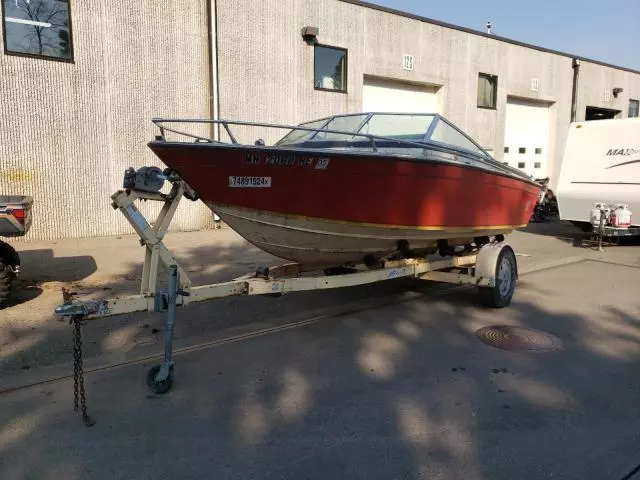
[352,188]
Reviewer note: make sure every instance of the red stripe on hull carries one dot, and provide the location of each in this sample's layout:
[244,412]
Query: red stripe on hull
[365,189]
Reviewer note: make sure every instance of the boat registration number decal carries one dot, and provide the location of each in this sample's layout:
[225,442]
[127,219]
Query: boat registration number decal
[249,182]
[288,161]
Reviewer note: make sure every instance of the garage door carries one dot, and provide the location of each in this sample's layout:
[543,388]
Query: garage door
[526,140]
[388,96]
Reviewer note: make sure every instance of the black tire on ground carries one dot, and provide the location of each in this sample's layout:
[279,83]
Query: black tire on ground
[6,277]
[9,255]
[506,277]
[159,387]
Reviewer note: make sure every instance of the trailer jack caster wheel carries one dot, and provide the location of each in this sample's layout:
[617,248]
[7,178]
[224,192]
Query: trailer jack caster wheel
[159,386]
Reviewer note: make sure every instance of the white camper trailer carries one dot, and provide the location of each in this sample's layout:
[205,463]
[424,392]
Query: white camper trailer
[601,164]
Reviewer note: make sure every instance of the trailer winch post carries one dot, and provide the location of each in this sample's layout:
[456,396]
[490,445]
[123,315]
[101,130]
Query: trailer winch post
[151,236]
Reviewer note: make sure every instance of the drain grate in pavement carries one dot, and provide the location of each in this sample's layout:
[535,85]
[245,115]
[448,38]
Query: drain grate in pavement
[519,339]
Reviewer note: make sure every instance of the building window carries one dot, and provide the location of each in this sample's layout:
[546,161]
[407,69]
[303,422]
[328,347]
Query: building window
[538,151]
[38,28]
[521,164]
[487,90]
[634,106]
[522,150]
[537,165]
[506,149]
[330,68]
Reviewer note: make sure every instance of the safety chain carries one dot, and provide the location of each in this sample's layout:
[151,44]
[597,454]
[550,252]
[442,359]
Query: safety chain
[79,396]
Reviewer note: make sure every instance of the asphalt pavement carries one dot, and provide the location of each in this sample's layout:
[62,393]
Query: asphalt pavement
[387,381]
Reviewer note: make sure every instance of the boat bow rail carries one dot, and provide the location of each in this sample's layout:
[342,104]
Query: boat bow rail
[372,140]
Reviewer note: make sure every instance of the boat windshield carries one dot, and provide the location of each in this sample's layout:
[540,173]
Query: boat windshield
[349,123]
[418,128]
[410,128]
[449,135]
[300,136]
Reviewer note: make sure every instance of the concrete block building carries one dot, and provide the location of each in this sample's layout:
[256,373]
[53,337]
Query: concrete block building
[80,82]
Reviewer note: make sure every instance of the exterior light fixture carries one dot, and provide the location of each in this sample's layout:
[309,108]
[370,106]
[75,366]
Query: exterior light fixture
[310,34]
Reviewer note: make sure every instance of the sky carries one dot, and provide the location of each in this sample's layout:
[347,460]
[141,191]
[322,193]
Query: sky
[608,31]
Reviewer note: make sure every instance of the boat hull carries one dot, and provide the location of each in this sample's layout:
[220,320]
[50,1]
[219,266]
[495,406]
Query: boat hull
[332,207]
[321,242]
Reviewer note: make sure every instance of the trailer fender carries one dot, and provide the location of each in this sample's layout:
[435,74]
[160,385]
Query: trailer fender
[487,261]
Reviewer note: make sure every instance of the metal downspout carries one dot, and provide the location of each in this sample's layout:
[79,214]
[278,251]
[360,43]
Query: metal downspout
[574,92]
[214,86]
[212,38]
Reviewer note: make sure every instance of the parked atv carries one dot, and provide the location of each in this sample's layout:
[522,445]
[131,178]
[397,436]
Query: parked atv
[547,206]
[15,221]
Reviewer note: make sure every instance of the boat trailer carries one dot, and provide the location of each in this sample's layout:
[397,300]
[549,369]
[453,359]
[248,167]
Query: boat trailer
[492,267]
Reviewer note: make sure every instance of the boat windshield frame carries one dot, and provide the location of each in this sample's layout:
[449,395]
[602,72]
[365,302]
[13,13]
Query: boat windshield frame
[374,142]
[426,138]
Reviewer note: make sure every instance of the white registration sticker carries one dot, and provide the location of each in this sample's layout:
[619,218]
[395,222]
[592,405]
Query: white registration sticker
[249,182]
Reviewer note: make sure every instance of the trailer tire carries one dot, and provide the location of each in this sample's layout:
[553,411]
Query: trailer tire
[6,277]
[506,276]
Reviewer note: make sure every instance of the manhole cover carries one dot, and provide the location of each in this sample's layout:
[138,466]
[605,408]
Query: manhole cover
[519,339]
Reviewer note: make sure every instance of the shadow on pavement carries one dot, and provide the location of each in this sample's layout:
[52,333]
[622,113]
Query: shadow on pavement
[571,234]
[40,266]
[21,292]
[402,391]
[564,231]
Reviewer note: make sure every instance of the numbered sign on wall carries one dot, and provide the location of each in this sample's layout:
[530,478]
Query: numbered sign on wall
[407,62]
[535,84]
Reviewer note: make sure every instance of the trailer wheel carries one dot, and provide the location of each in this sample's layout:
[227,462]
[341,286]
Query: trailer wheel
[506,276]
[6,277]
